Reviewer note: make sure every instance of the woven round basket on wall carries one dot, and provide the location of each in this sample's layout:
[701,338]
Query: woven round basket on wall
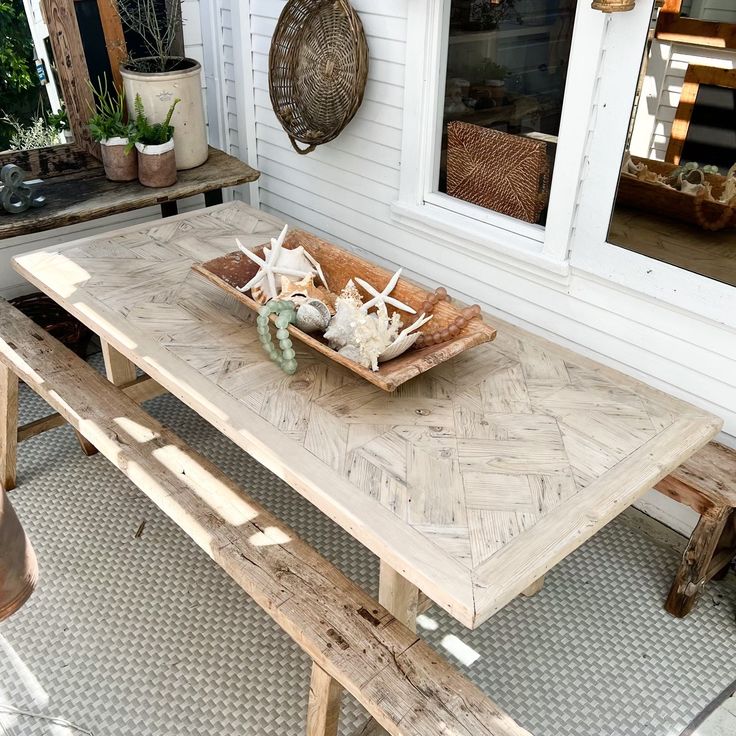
[318,65]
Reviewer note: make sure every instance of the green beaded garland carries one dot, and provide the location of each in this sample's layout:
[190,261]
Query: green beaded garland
[285,312]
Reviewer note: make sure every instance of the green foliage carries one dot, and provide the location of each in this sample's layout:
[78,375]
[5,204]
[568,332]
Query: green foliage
[148,133]
[16,51]
[21,95]
[39,133]
[109,119]
[491,70]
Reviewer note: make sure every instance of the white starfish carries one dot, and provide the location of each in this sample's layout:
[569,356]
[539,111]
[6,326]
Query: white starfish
[268,266]
[383,296]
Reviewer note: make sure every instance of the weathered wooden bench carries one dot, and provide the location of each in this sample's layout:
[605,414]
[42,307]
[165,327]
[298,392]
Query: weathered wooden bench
[706,483]
[354,642]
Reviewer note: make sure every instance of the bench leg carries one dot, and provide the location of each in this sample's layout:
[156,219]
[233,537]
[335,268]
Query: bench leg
[323,711]
[696,561]
[8,427]
[725,551]
[403,600]
[534,588]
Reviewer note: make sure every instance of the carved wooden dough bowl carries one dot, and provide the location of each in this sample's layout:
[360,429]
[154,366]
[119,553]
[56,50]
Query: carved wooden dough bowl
[234,269]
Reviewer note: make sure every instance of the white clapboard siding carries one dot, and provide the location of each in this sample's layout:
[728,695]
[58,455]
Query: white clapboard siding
[344,191]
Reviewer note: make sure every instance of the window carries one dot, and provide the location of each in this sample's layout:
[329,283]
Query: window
[504,81]
[676,199]
[498,69]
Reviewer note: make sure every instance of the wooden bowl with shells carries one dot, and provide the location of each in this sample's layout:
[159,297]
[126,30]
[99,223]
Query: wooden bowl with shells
[372,321]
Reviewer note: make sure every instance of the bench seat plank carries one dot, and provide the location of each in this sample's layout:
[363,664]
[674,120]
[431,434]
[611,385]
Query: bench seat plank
[707,479]
[406,686]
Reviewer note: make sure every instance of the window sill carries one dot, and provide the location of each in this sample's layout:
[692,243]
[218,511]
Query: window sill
[485,243]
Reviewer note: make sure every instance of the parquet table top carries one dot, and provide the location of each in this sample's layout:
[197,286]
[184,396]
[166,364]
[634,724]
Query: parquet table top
[471,480]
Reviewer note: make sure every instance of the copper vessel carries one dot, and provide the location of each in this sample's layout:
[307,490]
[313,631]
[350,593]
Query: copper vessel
[18,564]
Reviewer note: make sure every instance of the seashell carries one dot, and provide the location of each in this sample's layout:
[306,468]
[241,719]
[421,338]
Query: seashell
[313,316]
[278,261]
[687,186]
[404,340]
[630,167]
[398,347]
[301,291]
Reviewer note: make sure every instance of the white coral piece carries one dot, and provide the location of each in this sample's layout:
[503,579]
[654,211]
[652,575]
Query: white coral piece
[375,334]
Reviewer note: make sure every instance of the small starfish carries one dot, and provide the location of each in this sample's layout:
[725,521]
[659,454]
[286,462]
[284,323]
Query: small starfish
[383,296]
[269,266]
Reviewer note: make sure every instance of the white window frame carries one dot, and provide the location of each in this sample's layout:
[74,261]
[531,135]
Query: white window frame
[422,208]
[591,253]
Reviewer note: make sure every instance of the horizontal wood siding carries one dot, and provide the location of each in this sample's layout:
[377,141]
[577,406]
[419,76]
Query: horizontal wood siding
[344,192]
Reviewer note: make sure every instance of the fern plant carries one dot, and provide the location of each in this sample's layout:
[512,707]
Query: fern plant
[109,118]
[148,133]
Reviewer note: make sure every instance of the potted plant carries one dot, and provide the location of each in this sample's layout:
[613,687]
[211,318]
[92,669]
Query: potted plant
[163,75]
[155,145]
[109,127]
[494,77]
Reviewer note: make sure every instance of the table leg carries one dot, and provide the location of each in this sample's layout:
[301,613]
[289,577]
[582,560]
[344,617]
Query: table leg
[323,710]
[398,595]
[120,371]
[8,427]
[534,588]
[169,209]
[213,197]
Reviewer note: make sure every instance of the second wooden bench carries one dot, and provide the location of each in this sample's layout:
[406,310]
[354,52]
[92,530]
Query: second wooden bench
[706,483]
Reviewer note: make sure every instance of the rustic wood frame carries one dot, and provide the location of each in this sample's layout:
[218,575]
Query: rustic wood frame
[112,27]
[672,27]
[71,68]
[694,77]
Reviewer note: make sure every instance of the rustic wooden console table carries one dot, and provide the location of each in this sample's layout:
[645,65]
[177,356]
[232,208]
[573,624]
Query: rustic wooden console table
[76,189]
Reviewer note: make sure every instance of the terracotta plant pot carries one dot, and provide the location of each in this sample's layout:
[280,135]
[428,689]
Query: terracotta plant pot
[156,164]
[119,165]
[497,88]
[18,565]
[158,91]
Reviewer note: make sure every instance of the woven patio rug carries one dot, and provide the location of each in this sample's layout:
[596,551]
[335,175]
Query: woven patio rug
[145,636]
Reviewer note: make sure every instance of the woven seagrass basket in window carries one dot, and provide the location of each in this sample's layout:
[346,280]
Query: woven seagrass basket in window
[318,65]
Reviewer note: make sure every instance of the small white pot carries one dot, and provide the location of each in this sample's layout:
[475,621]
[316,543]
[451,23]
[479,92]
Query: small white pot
[156,164]
[158,91]
[116,141]
[150,150]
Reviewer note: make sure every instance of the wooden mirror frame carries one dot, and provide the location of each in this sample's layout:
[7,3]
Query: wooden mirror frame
[694,77]
[672,27]
[71,68]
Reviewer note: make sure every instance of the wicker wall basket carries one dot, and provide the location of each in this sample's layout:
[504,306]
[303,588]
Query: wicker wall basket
[318,65]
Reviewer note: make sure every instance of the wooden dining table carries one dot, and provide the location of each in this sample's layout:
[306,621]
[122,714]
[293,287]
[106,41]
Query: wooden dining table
[469,482]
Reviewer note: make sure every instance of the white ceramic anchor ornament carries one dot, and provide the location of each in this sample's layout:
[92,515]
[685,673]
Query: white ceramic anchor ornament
[295,263]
